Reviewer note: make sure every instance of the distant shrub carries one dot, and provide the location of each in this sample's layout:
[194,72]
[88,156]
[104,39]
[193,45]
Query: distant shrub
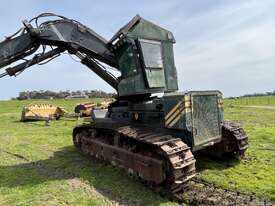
[62,94]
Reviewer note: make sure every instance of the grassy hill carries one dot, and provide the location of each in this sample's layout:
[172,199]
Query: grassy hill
[39,165]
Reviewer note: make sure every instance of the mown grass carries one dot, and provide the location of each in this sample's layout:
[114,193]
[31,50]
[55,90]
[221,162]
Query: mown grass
[54,173]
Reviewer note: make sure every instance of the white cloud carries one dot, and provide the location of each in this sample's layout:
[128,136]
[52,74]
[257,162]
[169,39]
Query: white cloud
[238,51]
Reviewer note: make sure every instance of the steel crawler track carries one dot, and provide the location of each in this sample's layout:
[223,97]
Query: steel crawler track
[155,157]
[233,144]
[236,140]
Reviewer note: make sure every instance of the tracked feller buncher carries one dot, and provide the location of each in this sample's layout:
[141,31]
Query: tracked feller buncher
[152,136]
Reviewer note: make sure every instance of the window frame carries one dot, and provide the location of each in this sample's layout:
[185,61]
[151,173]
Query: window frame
[142,54]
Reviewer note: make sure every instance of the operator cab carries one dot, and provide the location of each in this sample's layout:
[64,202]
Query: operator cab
[145,58]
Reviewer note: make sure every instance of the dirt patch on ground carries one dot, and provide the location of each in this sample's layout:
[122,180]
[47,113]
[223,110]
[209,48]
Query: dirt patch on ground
[75,182]
[201,193]
[259,107]
[85,186]
[89,190]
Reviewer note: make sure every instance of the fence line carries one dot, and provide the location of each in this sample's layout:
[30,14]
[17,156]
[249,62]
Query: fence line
[262,100]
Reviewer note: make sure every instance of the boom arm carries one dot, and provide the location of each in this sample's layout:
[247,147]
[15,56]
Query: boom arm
[64,34]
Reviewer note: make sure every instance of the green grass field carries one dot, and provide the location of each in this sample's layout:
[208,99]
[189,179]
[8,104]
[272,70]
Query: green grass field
[39,165]
[255,101]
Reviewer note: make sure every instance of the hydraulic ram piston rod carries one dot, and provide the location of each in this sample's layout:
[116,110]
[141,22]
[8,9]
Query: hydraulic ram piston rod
[12,71]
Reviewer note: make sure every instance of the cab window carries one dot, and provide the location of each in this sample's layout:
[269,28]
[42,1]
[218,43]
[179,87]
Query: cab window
[127,63]
[152,54]
[152,62]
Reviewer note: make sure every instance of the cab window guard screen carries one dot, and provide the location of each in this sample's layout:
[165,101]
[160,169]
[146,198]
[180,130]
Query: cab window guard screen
[151,53]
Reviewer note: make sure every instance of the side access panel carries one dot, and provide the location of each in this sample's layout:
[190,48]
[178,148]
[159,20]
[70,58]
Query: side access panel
[206,118]
[197,115]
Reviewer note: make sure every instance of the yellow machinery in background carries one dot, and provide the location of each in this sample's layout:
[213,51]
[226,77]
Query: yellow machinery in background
[46,112]
[85,109]
[104,104]
[42,111]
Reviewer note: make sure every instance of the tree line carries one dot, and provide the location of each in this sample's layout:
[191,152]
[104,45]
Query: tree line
[63,94]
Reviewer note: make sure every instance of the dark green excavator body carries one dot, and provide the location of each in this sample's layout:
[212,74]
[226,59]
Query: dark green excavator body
[146,60]
[151,129]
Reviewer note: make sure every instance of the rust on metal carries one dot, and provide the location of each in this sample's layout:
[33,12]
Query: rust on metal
[155,157]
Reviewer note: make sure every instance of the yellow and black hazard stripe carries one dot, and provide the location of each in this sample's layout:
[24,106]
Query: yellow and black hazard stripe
[220,103]
[174,115]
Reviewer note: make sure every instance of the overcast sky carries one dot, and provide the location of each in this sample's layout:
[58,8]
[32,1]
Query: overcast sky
[226,45]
